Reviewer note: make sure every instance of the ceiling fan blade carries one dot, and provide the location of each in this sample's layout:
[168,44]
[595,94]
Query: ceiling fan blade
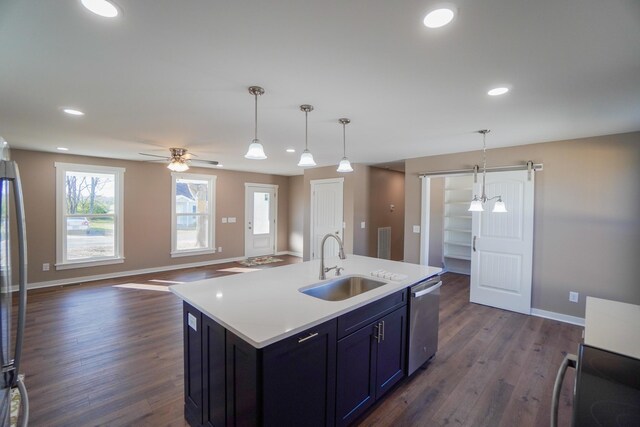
[209,162]
[154,155]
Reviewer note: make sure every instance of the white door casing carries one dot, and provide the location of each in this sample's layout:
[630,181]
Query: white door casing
[326,216]
[502,244]
[260,219]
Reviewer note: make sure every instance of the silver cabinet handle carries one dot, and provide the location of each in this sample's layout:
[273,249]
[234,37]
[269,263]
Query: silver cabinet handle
[311,335]
[376,336]
[383,330]
[474,243]
[570,360]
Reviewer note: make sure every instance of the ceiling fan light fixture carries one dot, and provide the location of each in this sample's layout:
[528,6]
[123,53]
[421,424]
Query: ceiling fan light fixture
[103,8]
[256,150]
[178,165]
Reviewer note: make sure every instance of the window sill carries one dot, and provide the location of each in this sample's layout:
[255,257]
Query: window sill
[178,254]
[85,264]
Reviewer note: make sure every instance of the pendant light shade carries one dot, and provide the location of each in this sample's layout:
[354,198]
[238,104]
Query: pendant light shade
[477,204]
[345,165]
[256,150]
[306,158]
[499,207]
[178,166]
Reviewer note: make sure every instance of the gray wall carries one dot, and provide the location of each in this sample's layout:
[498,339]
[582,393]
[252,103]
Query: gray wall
[587,216]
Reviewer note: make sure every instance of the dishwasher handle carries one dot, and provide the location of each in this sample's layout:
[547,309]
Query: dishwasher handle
[426,291]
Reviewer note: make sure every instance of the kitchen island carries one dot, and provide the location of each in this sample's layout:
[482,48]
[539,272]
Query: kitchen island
[258,351]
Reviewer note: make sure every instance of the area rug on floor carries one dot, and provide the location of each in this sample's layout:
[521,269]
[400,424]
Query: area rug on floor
[250,262]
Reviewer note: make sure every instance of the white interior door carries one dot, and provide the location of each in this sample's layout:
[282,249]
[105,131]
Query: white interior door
[502,244]
[326,215]
[260,220]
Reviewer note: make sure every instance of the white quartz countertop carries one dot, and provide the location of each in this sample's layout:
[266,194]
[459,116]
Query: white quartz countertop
[613,326]
[265,306]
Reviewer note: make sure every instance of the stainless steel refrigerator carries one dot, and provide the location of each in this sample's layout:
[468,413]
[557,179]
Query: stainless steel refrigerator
[12,327]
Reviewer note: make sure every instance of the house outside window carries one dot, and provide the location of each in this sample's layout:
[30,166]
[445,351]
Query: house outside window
[193,214]
[89,215]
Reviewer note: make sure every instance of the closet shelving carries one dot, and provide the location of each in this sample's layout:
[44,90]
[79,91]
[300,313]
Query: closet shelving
[458,192]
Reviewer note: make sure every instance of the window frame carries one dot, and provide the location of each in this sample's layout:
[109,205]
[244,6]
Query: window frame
[211,217]
[62,262]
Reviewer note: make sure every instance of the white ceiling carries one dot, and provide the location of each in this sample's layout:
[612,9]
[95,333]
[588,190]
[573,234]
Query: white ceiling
[175,73]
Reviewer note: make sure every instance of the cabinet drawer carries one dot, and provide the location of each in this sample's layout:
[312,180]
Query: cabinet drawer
[351,322]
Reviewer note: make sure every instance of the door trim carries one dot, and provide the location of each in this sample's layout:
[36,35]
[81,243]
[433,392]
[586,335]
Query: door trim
[313,183]
[274,187]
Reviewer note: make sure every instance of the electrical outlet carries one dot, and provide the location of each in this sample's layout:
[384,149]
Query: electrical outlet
[224,219]
[573,296]
[416,229]
[45,266]
[231,219]
[219,248]
[363,224]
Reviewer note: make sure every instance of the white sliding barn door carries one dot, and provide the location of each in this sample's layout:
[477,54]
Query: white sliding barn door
[502,244]
[326,215]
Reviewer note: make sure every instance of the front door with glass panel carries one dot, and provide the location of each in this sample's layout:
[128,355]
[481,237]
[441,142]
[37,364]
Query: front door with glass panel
[260,220]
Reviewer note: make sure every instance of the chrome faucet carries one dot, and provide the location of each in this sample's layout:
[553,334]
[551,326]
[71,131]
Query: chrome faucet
[324,270]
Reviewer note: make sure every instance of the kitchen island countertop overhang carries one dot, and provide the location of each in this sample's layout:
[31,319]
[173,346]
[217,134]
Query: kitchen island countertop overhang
[266,306]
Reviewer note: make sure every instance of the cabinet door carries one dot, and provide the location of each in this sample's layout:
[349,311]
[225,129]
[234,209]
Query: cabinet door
[356,374]
[299,379]
[213,343]
[390,358]
[192,329]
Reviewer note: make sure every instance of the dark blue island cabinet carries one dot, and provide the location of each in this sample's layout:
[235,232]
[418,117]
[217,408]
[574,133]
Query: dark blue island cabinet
[325,376]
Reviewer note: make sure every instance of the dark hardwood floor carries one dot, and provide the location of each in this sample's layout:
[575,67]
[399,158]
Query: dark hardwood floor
[96,354]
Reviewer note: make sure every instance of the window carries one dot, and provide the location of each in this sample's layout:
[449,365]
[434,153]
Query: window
[89,215]
[193,214]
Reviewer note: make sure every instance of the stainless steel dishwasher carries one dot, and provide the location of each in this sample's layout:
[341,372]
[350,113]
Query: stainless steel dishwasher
[424,304]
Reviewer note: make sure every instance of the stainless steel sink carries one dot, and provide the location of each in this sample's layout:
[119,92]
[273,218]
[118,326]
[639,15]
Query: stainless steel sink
[342,288]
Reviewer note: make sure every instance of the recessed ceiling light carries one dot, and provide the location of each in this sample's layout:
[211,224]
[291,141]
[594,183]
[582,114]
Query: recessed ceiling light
[220,165]
[439,17]
[498,91]
[73,112]
[103,8]
[291,150]
[62,149]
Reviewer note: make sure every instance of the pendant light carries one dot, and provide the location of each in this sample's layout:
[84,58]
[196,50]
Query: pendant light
[345,165]
[477,204]
[306,159]
[256,150]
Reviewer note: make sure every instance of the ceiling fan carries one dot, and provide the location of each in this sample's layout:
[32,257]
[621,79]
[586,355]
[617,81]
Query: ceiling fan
[179,159]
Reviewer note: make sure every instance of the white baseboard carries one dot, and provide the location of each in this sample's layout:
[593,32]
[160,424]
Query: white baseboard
[82,279]
[558,316]
[298,254]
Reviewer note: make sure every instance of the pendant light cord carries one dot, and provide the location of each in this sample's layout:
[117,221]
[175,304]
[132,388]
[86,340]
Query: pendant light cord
[344,140]
[306,129]
[256,116]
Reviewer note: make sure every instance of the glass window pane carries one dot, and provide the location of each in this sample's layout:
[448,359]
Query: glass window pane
[261,223]
[90,237]
[192,196]
[192,232]
[89,192]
